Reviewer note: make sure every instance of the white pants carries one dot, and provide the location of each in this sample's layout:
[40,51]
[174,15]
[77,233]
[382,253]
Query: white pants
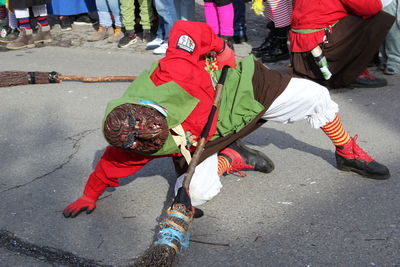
[40,10]
[302,99]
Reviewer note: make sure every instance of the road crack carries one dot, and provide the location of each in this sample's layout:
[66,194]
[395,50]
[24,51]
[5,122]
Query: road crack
[75,146]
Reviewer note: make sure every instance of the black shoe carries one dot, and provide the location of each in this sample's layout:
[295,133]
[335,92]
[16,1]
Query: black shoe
[264,47]
[368,82]
[84,20]
[350,157]
[65,23]
[242,157]
[278,51]
[146,36]
[128,39]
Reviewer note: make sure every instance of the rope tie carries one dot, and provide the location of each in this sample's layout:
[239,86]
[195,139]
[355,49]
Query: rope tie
[174,232]
[167,236]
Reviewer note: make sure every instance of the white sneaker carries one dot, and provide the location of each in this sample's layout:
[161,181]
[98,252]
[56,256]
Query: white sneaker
[154,44]
[161,50]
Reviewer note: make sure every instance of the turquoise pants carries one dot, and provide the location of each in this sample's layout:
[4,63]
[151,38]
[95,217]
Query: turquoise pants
[392,41]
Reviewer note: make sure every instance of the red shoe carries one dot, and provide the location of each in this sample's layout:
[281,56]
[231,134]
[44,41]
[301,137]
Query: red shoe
[243,158]
[350,157]
[366,80]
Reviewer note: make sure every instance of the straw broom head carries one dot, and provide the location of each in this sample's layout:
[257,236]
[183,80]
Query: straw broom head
[14,78]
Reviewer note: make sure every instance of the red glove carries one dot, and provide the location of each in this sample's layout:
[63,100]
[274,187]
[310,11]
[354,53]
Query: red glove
[87,202]
[81,204]
[226,57]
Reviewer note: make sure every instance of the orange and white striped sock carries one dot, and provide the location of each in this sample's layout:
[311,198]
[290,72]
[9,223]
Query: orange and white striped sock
[335,131]
[223,165]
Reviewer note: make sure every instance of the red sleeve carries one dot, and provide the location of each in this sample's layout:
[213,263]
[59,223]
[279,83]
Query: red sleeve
[117,163]
[184,64]
[363,8]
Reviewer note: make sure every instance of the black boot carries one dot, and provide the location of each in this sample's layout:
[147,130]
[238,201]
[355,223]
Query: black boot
[242,157]
[265,46]
[278,51]
[351,157]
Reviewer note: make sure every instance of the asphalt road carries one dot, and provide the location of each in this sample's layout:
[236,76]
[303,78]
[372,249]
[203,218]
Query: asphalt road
[305,213]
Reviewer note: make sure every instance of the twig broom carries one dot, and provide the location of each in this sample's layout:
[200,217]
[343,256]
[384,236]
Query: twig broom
[14,78]
[174,228]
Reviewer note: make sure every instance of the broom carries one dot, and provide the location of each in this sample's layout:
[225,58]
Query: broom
[174,228]
[14,78]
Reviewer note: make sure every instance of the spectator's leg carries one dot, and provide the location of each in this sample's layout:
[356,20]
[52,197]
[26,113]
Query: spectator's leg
[166,9]
[25,38]
[128,19]
[392,41]
[43,34]
[146,17]
[211,15]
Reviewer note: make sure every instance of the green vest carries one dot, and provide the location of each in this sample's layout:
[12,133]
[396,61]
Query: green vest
[237,108]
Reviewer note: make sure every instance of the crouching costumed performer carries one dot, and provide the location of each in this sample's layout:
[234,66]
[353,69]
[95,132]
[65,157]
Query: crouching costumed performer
[164,111]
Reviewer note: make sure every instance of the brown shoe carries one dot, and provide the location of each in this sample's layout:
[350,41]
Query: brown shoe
[43,35]
[101,34]
[118,34]
[10,37]
[24,40]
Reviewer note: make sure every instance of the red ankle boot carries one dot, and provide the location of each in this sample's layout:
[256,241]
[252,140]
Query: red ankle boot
[242,157]
[350,157]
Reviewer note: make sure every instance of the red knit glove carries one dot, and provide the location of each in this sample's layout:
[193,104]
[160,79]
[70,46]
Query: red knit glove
[226,57]
[87,202]
[81,204]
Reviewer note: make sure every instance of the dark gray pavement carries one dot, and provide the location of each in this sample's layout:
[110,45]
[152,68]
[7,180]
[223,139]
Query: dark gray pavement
[305,213]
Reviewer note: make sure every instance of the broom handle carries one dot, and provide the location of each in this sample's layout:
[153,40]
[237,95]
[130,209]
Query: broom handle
[95,79]
[202,142]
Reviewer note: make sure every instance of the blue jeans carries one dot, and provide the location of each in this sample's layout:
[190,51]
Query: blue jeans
[103,9]
[391,47]
[167,17]
[185,9]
